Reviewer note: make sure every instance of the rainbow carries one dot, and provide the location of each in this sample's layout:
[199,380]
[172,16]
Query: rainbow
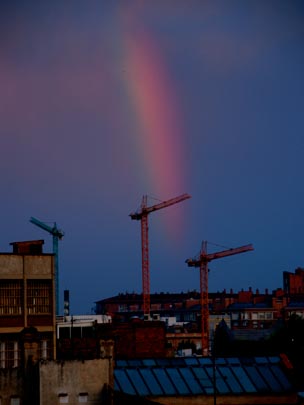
[156,113]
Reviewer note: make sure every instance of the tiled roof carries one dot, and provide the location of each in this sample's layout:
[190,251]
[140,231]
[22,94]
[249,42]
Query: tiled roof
[194,376]
[295,304]
[247,305]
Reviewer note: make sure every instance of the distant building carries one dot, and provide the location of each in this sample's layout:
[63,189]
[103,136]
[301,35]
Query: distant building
[136,338]
[249,314]
[294,282]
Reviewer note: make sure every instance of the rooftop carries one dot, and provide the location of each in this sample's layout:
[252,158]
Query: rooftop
[194,376]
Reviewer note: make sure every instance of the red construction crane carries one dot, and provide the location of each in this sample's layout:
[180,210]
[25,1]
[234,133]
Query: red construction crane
[142,215]
[202,263]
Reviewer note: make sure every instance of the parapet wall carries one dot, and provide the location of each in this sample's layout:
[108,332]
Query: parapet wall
[11,385]
[74,381]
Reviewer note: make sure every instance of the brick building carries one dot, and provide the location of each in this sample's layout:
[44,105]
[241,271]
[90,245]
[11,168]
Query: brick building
[247,313]
[135,339]
[294,282]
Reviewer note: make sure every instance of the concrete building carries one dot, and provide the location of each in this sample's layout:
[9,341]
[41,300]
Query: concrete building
[26,300]
[29,371]
[27,317]
[75,381]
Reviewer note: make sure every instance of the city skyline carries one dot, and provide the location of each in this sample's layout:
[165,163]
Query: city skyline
[104,103]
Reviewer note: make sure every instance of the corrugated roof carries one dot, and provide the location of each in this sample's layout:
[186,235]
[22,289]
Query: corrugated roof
[194,376]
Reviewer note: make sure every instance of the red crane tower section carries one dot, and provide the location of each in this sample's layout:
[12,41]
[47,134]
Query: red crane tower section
[142,215]
[202,263]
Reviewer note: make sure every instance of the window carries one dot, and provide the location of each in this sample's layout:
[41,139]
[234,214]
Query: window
[9,354]
[83,397]
[11,297]
[63,398]
[39,297]
[15,401]
[46,347]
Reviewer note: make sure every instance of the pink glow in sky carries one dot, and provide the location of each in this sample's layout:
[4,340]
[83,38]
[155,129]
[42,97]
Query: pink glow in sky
[156,109]
[102,102]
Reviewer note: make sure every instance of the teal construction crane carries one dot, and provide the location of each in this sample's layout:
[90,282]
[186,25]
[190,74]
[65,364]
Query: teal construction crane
[57,235]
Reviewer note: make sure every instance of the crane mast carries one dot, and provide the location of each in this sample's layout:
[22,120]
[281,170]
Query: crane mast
[202,263]
[57,235]
[142,216]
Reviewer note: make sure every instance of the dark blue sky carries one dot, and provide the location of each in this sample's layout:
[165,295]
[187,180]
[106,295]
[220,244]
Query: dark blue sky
[105,101]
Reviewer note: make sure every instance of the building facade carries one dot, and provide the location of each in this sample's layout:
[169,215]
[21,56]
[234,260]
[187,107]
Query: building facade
[27,317]
[26,300]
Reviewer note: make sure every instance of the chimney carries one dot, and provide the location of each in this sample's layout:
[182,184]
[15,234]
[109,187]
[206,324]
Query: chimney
[66,299]
[32,247]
